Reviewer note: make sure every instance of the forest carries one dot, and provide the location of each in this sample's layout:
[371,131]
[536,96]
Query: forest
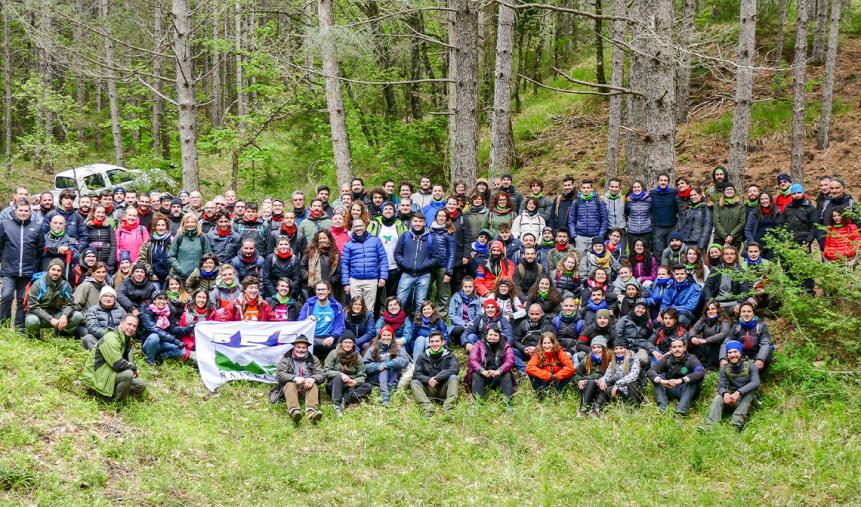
[279,94]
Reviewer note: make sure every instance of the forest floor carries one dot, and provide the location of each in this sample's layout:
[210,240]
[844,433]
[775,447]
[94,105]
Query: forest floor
[574,140]
[182,445]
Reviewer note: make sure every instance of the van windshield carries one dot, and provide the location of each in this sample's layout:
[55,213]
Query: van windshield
[118,176]
[64,182]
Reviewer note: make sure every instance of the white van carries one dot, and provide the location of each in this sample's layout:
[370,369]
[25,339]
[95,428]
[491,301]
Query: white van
[92,179]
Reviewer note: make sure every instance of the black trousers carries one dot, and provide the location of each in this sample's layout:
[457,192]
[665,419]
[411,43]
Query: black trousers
[479,383]
[340,393]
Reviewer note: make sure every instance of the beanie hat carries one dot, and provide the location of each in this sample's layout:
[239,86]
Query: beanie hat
[783,177]
[107,290]
[175,202]
[498,244]
[138,266]
[603,314]
[600,340]
[57,262]
[715,245]
[796,188]
[485,233]
[729,185]
[641,302]
[677,235]
[491,302]
[734,345]
[119,190]
[597,240]
[89,251]
[349,336]
[159,293]
[125,255]
[387,204]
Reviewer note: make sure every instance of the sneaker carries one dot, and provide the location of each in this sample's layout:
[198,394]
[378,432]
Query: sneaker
[339,411]
[581,412]
[296,415]
[595,413]
[314,415]
[192,357]
[385,403]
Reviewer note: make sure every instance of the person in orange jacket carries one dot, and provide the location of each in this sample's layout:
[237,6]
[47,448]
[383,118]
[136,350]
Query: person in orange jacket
[552,368]
[250,306]
[497,266]
[842,239]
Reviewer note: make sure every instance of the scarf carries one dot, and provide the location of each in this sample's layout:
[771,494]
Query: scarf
[476,209]
[640,320]
[764,210]
[662,191]
[752,203]
[714,319]
[436,225]
[596,360]
[282,300]
[479,248]
[750,324]
[501,211]
[316,214]
[567,318]
[637,197]
[299,211]
[160,237]
[586,198]
[288,230]
[388,222]
[543,294]
[162,316]
[548,243]
[249,259]
[785,192]
[145,212]
[438,353]
[560,247]
[208,274]
[453,215]
[97,223]
[224,233]
[57,234]
[539,196]
[129,226]
[172,295]
[284,255]
[754,263]
[395,321]
[685,194]
[612,196]
[663,281]
[600,306]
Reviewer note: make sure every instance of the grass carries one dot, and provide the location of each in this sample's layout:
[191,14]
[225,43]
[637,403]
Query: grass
[182,445]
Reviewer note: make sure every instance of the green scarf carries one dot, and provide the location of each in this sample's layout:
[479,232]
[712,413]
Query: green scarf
[284,301]
[587,197]
[58,234]
[437,353]
[172,295]
[785,192]
[548,243]
[536,196]
[543,294]
[611,195]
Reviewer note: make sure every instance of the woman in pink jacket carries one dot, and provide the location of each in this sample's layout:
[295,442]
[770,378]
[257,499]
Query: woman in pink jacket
[131,235]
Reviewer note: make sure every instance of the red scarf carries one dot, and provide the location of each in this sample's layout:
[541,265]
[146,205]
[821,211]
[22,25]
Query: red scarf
[289,230]
[395,321]
[685,194]
[97,223]
[609,246]
[109,209]
[248,260]
[765,211]
[560,247]
[130,226]
[454,214]
[224,233]
[316,214]
[146,212]
[284,255]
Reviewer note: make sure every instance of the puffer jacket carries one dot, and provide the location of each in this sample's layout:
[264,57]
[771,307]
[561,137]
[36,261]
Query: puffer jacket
[244,267]
[558,364]
[525,222]
[276,268]
[842,242]
[222,296]
[100,319]
[154,255]
[441,367]
[799,218]
[587,217]
[664,207]
[20,246]
[362,327]
[561,209]
[51,251]
[444,249]
[103,240]
[683,297]
[75,226]
[638,210]
[397,363]
[615,210]
[223,247]
[529,333]
[415,253]
[186,251]
[364,259]
[477,329]
[692,225]
[759,225]
[631,334]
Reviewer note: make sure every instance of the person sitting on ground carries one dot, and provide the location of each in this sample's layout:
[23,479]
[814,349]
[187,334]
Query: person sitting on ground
[634,331]
[345,374]
[738,387]
[385,362]
[491,365]
[667,329]
[436,375]
[657,290]
[598,257]
[568,323]
[50,304]
[683,295]
[198,309]
[620,380]
[105,315]
[161,333]
[550,367]
[478,328]
[603,326]
[842,240]
[675,253]
[427,322]
[396,318]
[528,335]
[251,307]
[87,294]
[708,334]
[590,307]
[109,369]
[545,294]
[599,279]
[135,290]
[755,338]
[678,376]
[588,372]
[508,298]
[299,373]
[284,307]
[463,308]
[328,316]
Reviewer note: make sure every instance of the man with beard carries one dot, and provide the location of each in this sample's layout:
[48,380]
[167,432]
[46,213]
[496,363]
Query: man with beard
[496,267]
[720,177]
[299,211]
[436,203]
[287,227]
[76,228]
[20,193]
[145,211]
[560,250]
[251,227]
[528,270]
[405,210]
[738,387]
[299,373]
[414,254]
[506,185]
[85,205]
[423,197]
[175,216]
[357,190]
[677,376]
[364,265]
[316,221]
[562,205]
[51,305]
[527,337]
[323,194]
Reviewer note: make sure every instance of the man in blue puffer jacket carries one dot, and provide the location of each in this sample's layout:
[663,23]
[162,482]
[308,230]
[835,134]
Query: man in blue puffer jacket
[587,218]
[364,265]
[664,212]
[683,294]
[414,254]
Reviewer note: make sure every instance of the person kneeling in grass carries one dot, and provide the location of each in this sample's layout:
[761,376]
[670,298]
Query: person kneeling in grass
[50,304]
[436,375]
[738,385]
[109,370]
[550,366]
[385,362]
[299,373]
[345,373]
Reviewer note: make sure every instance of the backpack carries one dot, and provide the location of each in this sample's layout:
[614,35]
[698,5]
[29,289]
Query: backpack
[26,300]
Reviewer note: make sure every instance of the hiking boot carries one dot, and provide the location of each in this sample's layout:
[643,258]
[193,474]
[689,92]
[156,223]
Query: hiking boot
[385,403]
[314,415]
[595,413]
[581,412]
[296,415]
[339,411]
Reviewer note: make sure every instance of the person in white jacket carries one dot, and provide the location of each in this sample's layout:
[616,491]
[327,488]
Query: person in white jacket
[528,220]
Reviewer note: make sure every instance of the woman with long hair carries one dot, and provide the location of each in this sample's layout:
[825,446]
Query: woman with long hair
[385,361]
[101,237]
[321,260]
[359,323]
[588,372]
[529,220]
[346,380]
[501,212]
[566,276]
[708,333]
[544,293]
[358,211]
[620,380]
[428,320]
[154,253]
[445,249]
[644,266]
[695,266]
[550,367]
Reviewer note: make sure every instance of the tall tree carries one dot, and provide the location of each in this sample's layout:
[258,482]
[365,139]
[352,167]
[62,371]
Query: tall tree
[464,140]
[738,143]
[636,104]
[500,138]
[778,43]
[614,116]
[157,101]
[80,92]
[799,82]
[659,143]
[830,67]
[334,98]
[600,76]
[818,51]
[185,100]
[113,94]
[683,74]
[217,106]
[7,85]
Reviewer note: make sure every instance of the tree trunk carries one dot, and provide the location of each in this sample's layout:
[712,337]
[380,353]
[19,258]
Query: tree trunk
[113,95]
[157,102]
[80,126]
[830,67]
[683,77]
[451,87]
[97,124]
[412,90]
[659,142]
[777,86]
[600,77]
[819,35]
[215,110]
[44,56]
[635,166]
[500,137]
[614,116]
[186,104]
[334,98]
[241,99]
[738,143]
[7,102]
[799,81]
[464,163]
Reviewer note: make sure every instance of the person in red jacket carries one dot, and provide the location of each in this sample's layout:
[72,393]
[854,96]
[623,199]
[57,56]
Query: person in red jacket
[552,368]
[842,239]
[250,306]
[497,266]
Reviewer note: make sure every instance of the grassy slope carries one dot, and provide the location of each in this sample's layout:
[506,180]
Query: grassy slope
[180,445]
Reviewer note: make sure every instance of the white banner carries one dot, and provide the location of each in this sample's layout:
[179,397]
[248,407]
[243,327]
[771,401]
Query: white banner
[245,350]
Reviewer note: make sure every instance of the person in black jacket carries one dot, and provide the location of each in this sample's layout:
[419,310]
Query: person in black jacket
[162,332]
[738,386]
[435,376]
[725,283]
[708,333]
[281,263]
[677,376]
[527,337]
[21,242]
[135,291]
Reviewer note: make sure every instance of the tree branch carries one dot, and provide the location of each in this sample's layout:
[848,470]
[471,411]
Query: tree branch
[597,85]
[574,92]
[371,83]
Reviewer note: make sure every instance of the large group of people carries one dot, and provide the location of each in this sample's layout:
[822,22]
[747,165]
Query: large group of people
[602,294]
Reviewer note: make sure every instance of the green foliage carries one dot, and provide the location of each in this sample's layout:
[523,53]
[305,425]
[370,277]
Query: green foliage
[38,144]
[771,116]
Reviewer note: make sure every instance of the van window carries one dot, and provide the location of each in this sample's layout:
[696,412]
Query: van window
[119,176]
[94,181]
[63,182]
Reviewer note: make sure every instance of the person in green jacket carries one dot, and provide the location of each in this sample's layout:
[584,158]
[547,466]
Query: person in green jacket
[189,245]
[345,375]
[50,303]
[729,218]
[109,370]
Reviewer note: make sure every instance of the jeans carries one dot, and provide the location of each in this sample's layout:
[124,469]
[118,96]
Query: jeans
[442,292]
[685,393]
[13,286]
[387,380]
[153,347]
[660,239]
[416,285]
[505,383]
[344,395]
[739,411]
